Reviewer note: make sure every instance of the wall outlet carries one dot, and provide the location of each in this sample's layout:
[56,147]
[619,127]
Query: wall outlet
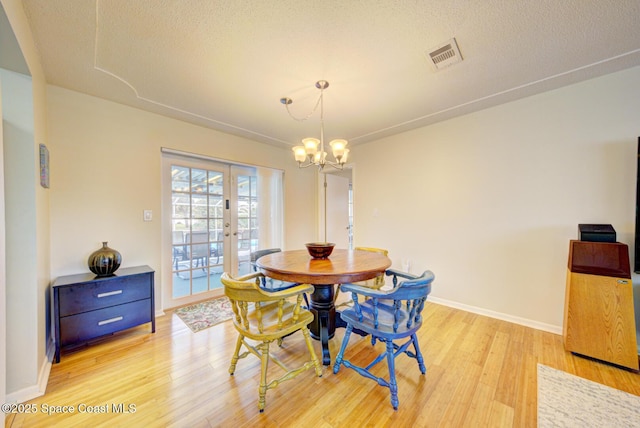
[147,215]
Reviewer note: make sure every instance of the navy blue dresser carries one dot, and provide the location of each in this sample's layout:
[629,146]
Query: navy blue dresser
[86,306]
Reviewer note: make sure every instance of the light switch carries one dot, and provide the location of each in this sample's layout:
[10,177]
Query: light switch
[148,215]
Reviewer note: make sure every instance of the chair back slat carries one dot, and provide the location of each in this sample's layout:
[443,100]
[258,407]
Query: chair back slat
[357,307]
[376,322]
[395,281]
[420,308]
[397,306]
[258,306]
[241,312]
[280,313]
[296,310]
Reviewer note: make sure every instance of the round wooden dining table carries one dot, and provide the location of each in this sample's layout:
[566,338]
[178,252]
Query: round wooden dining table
[342,266]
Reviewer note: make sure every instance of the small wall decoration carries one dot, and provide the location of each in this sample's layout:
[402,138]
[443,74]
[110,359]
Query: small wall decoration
[44,166]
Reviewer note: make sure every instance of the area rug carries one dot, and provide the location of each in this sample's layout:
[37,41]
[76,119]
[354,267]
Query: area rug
[205,314]
[565,400]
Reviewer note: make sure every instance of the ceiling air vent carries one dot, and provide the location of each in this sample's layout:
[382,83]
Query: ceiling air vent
[444,55]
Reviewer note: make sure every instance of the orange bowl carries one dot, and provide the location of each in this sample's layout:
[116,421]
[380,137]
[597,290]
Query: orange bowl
[320,250]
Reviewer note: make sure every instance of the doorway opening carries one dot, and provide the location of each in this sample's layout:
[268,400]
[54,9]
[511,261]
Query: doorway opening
[336,207]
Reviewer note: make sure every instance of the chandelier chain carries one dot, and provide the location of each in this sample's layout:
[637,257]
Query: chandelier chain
[302,119]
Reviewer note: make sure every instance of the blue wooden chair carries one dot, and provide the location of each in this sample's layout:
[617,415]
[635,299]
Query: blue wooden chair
[387,316]
[270,283]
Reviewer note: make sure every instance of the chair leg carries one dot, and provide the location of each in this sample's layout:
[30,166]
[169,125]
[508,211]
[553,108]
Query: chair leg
[306,300]
[236,353]
[393,385]
[414,339]
[314,358]
[335,298]
[335,295]
[340,356]
[262,390]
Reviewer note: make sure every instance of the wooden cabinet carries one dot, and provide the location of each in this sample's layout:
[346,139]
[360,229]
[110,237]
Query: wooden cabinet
[86,307]
[599,320]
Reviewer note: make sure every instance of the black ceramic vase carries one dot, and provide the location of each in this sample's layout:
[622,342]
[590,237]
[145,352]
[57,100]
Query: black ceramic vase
[105,261]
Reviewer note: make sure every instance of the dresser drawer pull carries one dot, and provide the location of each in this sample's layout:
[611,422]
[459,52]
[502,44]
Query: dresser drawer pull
[110,293]
[110,320]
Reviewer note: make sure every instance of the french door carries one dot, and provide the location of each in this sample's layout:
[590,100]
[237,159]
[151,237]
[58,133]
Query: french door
[212,210]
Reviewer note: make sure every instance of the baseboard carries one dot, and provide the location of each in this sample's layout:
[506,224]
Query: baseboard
[40,388]
[498,315]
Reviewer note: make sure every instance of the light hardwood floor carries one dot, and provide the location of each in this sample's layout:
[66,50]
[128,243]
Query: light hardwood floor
[480,372]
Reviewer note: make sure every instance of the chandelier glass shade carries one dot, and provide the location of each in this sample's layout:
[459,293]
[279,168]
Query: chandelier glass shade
[312,151]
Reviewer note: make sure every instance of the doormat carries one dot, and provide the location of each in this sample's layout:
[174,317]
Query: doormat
[565,400]
[205,314]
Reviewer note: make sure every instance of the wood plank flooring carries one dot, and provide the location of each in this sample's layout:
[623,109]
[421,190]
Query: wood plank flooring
[481,372]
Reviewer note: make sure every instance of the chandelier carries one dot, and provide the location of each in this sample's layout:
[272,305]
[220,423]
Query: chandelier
[312,151]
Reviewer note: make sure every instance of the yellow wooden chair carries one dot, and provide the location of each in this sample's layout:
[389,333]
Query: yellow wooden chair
[376,283]
[266,316]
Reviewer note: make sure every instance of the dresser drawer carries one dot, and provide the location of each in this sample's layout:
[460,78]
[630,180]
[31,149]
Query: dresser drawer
[101,294]
[89,325]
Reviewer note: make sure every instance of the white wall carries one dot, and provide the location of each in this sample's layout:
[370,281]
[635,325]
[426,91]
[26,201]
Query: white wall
[27,220]
[19,171]
[490,200]
[3,282]
[106,169]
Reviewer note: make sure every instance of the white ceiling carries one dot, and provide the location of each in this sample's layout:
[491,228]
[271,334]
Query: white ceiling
[225,64]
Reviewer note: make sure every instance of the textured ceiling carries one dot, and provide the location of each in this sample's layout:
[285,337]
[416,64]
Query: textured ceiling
[226,64]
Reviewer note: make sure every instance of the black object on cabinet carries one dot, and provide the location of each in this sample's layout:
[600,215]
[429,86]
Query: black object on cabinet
[86,307]
[597,232]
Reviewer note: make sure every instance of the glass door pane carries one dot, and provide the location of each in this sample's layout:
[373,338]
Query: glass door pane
[197,221]
[245,217]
